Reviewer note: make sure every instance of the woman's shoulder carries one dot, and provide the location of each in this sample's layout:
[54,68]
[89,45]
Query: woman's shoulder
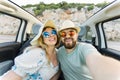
[31,56]
[31,53]
[33,48]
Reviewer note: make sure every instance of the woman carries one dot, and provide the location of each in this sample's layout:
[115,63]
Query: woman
[38,62]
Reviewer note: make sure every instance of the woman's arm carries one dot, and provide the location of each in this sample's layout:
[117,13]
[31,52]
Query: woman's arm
[103,67]
[11,75]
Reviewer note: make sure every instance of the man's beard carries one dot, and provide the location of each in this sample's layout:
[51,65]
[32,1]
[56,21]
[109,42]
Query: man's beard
[69,45]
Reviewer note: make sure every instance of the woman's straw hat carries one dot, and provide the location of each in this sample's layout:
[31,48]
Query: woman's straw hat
[49,23]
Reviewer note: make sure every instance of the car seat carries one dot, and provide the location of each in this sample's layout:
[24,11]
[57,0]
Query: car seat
[35,30]
[81,33]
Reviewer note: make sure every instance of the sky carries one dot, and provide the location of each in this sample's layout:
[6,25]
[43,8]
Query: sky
[24,2]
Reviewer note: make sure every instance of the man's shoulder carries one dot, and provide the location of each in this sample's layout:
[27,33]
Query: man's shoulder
[61,50]
[83,44]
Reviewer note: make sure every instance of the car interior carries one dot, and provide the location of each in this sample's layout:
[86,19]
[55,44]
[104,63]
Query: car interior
[92,31]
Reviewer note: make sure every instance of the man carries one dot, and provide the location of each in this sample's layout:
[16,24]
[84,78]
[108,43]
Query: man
[81,61]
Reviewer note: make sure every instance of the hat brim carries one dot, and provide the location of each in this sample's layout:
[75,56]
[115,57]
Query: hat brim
[34,42]
[50,24]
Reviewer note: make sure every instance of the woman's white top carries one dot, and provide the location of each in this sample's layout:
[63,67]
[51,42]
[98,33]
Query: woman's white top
[33,65]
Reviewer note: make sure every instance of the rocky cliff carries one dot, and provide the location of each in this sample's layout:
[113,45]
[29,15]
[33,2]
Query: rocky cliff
[58,16]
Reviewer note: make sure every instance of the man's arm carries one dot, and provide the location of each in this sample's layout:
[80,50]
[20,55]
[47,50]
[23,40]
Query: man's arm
[102,67]
[11,75]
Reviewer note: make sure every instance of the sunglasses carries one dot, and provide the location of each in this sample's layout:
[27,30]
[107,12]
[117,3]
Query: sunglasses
[47,34]
[70,33]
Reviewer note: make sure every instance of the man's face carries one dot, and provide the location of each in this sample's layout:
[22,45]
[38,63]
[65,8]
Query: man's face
[69,38]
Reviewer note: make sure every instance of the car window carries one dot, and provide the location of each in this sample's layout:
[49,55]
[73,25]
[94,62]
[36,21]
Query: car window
[9,26]
[112,34]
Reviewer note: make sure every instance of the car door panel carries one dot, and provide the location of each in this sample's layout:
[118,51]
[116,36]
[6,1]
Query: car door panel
[111,53]
[8,51]
[5,66]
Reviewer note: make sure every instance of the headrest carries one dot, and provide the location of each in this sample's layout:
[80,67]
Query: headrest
[35,28]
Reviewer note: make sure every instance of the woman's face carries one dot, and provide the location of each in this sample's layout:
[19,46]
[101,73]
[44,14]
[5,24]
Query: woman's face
[49,36]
